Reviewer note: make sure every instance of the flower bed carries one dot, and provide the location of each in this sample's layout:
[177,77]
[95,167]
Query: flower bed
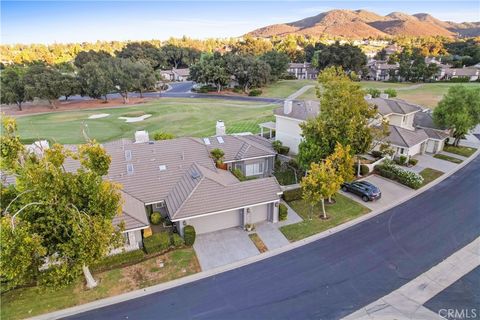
[389,170]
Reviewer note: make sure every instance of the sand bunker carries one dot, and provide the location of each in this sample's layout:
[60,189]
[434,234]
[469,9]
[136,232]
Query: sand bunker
[99,115]
[135,119]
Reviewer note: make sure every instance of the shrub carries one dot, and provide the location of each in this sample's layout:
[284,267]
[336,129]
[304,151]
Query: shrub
[276,145]
[237,89]
[118,260]
[392,93]
[412,161]
[288,76]
[402,160]
[375,93]
[158,242]
[292,195]
[162,136]
[217,155]
[376,154]
[284,150]
[177,240]
[282,212]
[255,92]
[239,174]
[364,170]
[189,235]
[389,170]
[155,218]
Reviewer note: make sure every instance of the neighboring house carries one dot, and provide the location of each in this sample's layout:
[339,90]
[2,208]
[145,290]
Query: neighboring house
[302,70]
[411,128]
[470,73]
[176,74]
[382,71]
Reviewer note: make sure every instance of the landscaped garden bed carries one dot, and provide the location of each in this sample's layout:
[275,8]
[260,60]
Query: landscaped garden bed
[460,150]
[447,158]
[391,171]
[342,211]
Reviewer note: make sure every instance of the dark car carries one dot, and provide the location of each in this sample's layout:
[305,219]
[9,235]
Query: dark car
[364,189]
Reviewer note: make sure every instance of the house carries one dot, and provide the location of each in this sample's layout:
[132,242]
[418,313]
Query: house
[382,71]
[302,70]
[412,130]
[175,74]
[469,73]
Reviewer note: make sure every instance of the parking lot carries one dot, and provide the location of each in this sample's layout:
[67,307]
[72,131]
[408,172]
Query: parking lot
[391,192]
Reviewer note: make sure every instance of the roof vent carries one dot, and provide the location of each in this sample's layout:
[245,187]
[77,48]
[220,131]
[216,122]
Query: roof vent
[128,155]
[206,141]
[195,175]
[162,167]
[129,168]
[384,95]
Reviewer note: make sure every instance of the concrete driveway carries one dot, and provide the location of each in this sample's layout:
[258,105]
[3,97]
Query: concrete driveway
[222,247]
[391,192]
[428,161]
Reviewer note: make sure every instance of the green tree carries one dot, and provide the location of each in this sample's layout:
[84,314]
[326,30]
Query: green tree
[252,46]
[349,57]
[217,155]
[67,215]
[143,51]
[84,57]
[177,56]
[70,85]
[278,62]
[43,82]
[12,88]
[344,119]
[95,80]
[459,110]
[342,161]
[211,69]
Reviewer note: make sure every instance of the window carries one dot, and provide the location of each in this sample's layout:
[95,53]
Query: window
[401,150]
[254,169]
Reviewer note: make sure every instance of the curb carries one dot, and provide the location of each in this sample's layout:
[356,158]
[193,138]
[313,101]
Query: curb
[205,274]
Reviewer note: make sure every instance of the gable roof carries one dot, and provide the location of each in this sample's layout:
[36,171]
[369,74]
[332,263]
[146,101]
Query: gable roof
[133,214]
[301,110]
[406,138]
[389,106]
[435,134]
[240,147]
[203,191]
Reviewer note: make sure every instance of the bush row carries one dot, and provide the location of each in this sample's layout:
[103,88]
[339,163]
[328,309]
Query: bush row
[162,241]
[282,212]
[292,195]
[389,170]
[119,260]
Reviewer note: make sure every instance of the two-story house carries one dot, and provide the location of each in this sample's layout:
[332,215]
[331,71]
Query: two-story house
[302,70]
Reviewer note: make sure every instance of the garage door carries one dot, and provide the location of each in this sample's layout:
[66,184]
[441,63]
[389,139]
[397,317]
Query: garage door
[432,146]
[258,214]
[216,222]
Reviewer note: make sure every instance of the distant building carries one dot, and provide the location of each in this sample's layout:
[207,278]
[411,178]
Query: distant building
[176,74]
[381,71]
[302,70]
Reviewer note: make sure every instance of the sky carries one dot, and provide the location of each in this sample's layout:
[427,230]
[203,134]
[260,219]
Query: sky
[77,21]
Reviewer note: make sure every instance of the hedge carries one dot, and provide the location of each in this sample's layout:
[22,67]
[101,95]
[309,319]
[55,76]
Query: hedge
[391,171]
[255,92]
[412,161]
[177,240]
[155,218]
[117,260]
[189,235]
[292,195]
[376,154]
[364,170]
[157,242]
[283,150]
[282,212]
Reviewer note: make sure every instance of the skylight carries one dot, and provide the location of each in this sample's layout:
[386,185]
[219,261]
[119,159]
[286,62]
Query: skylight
[128,155]
[130,168]
[220,140]
[206,140]
[162,167]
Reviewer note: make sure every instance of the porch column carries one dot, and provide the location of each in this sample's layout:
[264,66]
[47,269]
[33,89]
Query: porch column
[261,131]
[270,133]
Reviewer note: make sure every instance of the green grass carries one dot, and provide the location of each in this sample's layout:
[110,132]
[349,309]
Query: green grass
[181,117]
[424,94]
[284,88]
[285,177]
[342,211]
[28,302]
[447,158]
[460,150]
[429,175]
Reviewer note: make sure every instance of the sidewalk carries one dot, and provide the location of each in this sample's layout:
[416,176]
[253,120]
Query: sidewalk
[299,92]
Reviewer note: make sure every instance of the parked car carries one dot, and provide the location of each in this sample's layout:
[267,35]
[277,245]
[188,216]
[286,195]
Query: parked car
[364,189]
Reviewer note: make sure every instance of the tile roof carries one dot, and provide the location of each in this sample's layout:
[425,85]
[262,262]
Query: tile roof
[436,134]
[406,138]
[389,106]
[240,147]
[301,110]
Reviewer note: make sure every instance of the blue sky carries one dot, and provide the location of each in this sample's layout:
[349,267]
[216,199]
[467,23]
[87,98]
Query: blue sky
[76,21]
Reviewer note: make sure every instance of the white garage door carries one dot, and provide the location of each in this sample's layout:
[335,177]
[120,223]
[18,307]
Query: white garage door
[431,146]
[216,222]
[258,213]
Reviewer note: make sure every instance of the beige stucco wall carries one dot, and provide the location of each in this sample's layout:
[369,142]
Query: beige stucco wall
[288,132]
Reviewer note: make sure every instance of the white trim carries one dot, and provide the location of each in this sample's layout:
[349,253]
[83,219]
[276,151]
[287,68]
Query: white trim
[289,118]
[135,229]
[221,211]
[245,159]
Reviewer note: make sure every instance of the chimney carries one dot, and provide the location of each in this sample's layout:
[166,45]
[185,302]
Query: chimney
[141,136]
[384,95]
[287,106]
[220,128]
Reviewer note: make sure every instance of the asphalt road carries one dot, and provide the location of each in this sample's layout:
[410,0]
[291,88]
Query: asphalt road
[332,277]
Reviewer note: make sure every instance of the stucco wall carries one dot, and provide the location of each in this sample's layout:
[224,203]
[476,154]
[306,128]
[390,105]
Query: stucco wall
[288,132]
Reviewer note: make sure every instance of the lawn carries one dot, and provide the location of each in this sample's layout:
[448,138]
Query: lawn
[447,158]
[429,175]
[28,302]
[284,88]
[258,242]
[424,94]
[460,150]
[182,117]
[342,211]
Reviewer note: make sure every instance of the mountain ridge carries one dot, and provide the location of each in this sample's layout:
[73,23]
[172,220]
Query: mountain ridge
[364,23]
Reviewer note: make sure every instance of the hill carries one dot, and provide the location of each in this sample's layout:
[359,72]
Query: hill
[363,24]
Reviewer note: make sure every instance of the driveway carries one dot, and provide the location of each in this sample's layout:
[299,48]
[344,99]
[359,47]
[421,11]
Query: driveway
[428,161]
[391,192]
[271,236]
[222,247]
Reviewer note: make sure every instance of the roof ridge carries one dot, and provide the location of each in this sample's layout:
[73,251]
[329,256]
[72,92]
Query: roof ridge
[401,137]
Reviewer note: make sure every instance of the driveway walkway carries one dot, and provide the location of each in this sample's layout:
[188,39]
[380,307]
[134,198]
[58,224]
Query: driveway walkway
[222,247]
[428,161]
[299,92]
[270,235]
[391,192]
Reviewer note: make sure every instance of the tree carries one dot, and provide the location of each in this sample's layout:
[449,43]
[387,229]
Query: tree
[70,85]
[85,57]
[143,51]
[124,75]
[177,56]
[13,86]
[278,62]
[252,46]
[43,82]
[95,80]
[381,55]
[144,75]
[349,57]
[344,119]
[217,155]
[211,69]
[342,161]
[459,110]
[65,218]
[321,182]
